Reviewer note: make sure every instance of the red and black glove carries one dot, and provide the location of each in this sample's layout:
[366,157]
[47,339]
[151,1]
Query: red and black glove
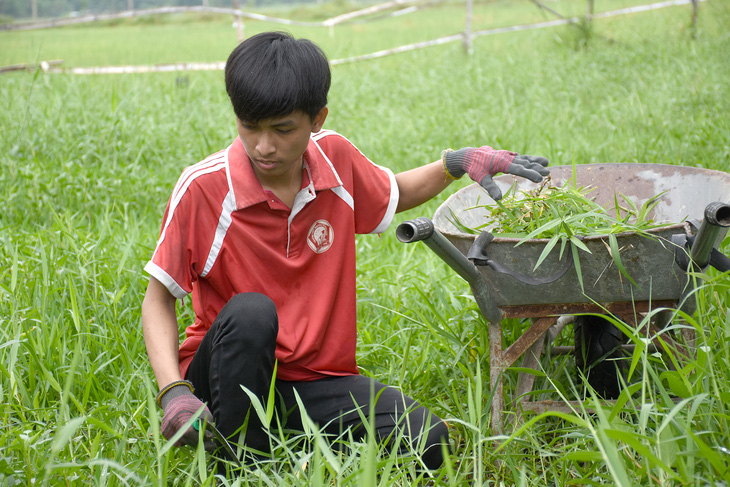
[180,404]
[484,162]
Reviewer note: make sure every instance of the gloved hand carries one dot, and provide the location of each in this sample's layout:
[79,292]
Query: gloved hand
[484,162]
[180,404]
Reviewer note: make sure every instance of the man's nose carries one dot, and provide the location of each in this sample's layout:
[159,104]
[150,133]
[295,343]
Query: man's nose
[265,144]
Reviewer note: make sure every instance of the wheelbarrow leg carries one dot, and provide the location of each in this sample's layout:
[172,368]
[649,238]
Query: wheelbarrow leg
[500,360]
[496,369]
[531,359]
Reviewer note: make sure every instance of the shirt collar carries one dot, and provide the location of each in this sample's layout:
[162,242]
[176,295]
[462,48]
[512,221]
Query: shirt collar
[247,189]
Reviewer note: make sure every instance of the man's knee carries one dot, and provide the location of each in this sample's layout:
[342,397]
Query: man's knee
[249,317]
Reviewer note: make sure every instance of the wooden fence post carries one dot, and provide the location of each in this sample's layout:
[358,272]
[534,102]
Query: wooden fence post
[238,20]
[240,28]
[467,28]
[590,9]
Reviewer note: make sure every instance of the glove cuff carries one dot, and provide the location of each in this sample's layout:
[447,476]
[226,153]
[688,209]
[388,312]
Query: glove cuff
[173,390]
[452,164]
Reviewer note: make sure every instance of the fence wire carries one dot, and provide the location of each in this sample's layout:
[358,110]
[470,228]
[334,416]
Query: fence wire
[55,66]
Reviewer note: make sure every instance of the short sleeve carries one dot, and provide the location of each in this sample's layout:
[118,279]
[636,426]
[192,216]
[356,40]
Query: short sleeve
[188,229]
[373,188]
[376,198]
[170,263]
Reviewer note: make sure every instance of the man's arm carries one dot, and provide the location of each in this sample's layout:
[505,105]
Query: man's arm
[416,186]
[419,185]
[159,325]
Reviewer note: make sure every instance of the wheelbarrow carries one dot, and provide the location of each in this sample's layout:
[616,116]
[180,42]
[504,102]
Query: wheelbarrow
[693,207]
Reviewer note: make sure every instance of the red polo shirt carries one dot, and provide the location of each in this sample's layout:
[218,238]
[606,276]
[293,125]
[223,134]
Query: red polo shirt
[223,234]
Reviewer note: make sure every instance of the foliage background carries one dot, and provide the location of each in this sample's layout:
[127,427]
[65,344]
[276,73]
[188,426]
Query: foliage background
[88,163]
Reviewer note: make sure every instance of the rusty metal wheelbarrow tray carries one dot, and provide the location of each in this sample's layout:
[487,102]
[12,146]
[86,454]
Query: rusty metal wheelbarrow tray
[651,262]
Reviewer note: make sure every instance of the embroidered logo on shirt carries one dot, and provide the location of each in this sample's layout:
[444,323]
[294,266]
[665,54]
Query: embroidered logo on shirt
[321,235]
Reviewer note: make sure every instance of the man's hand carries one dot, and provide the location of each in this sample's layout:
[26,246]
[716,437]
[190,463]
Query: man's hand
[180,405]
[484,162]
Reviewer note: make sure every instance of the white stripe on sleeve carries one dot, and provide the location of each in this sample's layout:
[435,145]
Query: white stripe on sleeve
[183,184]
[224,221]
[392,204]
[156,271]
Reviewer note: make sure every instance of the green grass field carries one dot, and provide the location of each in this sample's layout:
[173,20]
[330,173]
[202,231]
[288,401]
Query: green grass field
[88,163]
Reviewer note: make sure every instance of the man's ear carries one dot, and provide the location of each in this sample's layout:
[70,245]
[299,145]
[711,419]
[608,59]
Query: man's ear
[319,119]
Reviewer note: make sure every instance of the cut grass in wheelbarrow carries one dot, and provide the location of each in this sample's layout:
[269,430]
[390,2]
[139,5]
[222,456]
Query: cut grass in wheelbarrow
[565,215]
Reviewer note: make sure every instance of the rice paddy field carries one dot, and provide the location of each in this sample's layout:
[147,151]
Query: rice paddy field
[88,163]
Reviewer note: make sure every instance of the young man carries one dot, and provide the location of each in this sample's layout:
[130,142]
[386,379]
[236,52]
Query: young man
[262,234]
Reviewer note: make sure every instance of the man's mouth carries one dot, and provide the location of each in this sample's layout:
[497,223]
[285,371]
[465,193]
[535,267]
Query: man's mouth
[266,164]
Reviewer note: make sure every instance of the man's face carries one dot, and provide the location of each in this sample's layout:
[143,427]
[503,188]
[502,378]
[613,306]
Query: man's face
[276,145]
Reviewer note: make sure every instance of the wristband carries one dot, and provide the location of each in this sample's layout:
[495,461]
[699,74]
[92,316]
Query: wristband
[170,386]
[446,169]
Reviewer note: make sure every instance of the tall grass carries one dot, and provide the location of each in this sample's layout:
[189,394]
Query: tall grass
[88,164]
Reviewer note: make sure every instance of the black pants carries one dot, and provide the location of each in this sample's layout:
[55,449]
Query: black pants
[239,350]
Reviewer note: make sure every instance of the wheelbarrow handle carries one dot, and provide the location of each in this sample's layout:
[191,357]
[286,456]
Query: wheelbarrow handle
[717,218]
[478,255]
[422,229]
[695,252]
[698,251]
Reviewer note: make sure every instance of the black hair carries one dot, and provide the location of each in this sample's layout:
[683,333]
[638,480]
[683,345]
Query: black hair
[272,74]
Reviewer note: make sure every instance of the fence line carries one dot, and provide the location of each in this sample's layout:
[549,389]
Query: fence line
[514,28]
[643,8]
[216,66]
[151,68]
[331,22]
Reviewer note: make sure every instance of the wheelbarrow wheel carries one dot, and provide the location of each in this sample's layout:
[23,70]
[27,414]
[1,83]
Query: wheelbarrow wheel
[598,354]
